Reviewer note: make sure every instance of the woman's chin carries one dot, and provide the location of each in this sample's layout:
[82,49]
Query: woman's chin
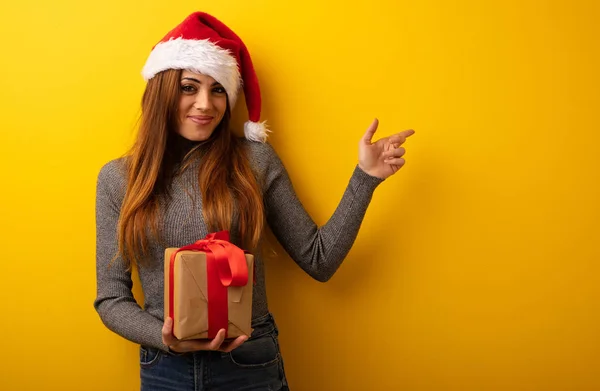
[196,135]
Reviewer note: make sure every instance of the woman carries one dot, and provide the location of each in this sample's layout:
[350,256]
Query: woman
[187,176]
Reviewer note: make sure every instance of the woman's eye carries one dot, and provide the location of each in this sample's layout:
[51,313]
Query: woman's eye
[219,90]
[187,88]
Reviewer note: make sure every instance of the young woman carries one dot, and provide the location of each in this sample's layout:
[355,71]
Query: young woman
[186,176]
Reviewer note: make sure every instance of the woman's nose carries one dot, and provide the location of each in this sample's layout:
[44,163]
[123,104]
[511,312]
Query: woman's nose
[203,101]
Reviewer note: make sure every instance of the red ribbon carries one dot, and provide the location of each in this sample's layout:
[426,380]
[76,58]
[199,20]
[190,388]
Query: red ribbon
[225,266]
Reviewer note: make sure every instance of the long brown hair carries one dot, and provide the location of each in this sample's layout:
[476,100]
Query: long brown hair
[225,176]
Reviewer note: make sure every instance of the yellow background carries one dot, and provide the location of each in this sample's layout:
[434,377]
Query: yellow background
[476,267]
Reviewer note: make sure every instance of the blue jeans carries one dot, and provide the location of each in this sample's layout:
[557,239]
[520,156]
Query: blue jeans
[255,365]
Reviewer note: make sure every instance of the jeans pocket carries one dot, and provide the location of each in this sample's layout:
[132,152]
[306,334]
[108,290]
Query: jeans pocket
[149,357]
[259,352]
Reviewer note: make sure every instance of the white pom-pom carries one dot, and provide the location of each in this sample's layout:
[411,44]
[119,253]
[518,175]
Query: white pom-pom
[256,131]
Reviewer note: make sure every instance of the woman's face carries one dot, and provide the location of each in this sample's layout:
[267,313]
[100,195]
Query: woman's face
[201,107]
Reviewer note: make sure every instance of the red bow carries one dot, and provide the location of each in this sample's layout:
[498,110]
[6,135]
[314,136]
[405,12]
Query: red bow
[225,266]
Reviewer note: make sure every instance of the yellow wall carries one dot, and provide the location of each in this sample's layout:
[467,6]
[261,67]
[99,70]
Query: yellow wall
[476,267]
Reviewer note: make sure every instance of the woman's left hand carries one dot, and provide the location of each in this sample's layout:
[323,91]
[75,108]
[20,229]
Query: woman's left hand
[384,157]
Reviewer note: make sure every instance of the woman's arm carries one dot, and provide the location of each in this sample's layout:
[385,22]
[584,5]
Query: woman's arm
[115,302]
[319,251]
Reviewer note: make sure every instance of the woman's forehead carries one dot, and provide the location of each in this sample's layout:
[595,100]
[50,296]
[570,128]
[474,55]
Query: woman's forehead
[195,75]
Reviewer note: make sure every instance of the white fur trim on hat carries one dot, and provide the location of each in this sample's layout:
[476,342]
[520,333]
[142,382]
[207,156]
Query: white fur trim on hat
[200,56]
[256,131]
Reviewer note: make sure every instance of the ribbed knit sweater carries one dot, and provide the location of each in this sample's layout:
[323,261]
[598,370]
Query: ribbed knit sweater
[319,251]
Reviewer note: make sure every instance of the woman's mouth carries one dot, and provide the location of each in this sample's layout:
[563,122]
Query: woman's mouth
[201,119]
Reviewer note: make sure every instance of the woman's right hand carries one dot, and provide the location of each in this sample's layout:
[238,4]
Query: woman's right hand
[218,343]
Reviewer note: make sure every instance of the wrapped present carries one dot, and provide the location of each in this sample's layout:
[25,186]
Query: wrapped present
[208,287]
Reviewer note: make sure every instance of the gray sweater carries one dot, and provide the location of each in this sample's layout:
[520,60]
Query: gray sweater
[319,251]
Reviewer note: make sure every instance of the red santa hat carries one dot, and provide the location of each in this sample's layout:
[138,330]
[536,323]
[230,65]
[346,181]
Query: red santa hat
[203,44]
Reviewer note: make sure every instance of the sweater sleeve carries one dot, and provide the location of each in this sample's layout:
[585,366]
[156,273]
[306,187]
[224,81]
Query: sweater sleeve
[319,251]
[114,301]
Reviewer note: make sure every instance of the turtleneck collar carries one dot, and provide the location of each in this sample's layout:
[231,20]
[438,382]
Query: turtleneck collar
[178,146]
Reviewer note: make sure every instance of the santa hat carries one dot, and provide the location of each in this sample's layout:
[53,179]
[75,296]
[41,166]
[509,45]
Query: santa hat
[203,44]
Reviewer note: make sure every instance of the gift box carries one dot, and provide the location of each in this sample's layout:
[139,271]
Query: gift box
[208,287]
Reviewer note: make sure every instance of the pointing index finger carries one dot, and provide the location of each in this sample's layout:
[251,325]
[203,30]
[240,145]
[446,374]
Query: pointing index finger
[399,138]
[407,133]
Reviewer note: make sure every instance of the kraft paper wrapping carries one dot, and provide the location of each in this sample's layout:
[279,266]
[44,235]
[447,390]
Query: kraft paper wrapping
[190,297]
